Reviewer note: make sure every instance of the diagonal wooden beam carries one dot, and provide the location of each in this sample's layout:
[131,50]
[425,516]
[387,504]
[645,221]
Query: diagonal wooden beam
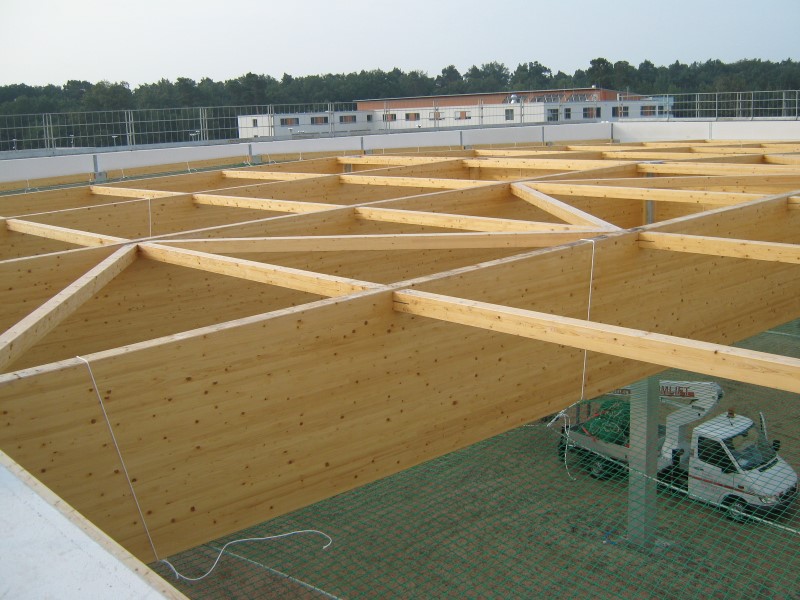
[407,241]
[759,368]
[451,221]
[296,279]
[638,193]
[62,234]
[26,333]
[715,246]
[557,208]
[289,206]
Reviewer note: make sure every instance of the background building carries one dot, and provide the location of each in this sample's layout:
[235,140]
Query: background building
[460,110]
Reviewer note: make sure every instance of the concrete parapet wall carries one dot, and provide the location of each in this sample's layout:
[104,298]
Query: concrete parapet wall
[29,169]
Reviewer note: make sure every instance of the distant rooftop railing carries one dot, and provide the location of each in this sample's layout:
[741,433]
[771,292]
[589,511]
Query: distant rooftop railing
[203,125]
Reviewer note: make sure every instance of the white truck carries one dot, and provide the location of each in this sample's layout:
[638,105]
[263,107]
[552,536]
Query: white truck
[725,461]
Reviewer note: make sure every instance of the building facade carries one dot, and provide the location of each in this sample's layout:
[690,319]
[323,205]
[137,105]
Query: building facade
[460,110]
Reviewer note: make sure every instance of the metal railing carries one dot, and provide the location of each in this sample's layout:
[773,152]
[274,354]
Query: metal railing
[782,104]
[144,127]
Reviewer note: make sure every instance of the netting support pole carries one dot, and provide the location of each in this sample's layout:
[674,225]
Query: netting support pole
[643,459]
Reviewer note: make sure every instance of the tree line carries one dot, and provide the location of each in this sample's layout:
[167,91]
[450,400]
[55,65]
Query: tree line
[253,89]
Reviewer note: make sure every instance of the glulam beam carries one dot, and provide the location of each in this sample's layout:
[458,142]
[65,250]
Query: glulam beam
[289,206]
[716,360]
[15,341]
[122,192]
[296,279]
[419,182]
[634,193]
[557,208]
[406,241]
[715,246]
[451,221]
[62,234]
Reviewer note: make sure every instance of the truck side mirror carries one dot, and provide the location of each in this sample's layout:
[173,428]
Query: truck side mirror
[776,445]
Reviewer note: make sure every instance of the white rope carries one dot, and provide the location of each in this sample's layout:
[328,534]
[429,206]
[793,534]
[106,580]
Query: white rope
[588,317]
[119,454]
[282,574]
[564,414]
[241,541]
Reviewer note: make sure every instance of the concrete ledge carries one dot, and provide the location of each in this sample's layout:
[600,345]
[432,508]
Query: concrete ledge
[57,553]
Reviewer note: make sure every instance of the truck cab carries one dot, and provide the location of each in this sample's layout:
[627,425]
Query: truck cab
[725,461]
[734,466]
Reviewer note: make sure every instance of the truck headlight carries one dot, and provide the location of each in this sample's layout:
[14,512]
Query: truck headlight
[769,499]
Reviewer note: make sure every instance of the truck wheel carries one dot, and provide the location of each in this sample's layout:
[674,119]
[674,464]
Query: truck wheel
[599,467]
[737,510]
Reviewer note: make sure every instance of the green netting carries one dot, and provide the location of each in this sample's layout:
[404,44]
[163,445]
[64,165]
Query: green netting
[610,424]
[510,518]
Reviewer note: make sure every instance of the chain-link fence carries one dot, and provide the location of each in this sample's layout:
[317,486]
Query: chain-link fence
[128,128]
[532,513]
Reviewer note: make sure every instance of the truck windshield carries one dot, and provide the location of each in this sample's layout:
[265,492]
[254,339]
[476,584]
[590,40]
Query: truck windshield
[750,449]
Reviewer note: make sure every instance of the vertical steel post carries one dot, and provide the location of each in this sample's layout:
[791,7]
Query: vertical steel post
[643,457]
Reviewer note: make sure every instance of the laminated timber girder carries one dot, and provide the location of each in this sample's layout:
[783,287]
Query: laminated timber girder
[264,338]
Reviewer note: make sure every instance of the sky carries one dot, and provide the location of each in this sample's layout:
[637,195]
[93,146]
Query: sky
[143,41]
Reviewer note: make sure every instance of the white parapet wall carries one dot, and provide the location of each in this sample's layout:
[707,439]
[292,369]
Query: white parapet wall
[29,169]
[449,138]
[755,130]
[661,131]
[132,159]
[639,131]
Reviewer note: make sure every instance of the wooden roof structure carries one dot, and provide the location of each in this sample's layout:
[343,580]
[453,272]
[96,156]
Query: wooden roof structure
[186,355]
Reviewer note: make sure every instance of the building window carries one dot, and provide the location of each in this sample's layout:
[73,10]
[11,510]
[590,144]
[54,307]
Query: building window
[435,116]
[462,115]
[290,121]
[648,111]
[509,114]
[412,116]
[347,119]
[567,114]
[319,120]
[389,117]
[369,118]
[591,112]
[619,111]
[552,114]
[255,122]
[662,110]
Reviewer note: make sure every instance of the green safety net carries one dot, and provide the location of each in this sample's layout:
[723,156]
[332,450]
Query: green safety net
[512,517]
[610,424]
